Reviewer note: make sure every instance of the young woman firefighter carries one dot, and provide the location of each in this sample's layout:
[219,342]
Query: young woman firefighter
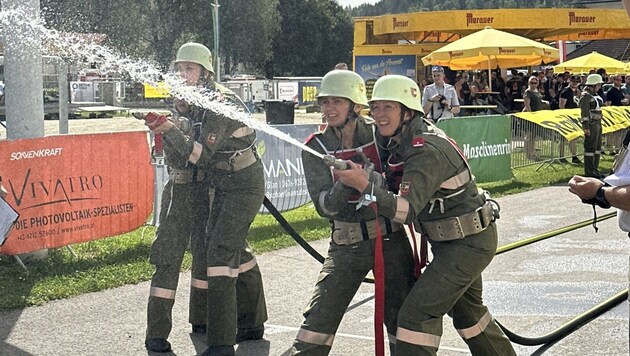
[227,176]
[353,230]
[437,192]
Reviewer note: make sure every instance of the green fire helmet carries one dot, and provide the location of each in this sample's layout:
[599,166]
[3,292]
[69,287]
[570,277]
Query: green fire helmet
[195,53]
[593,79]
[398,88]
[344,84]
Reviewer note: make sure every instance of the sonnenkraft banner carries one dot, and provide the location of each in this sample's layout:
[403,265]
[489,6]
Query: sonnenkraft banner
[284,173]
[486,142]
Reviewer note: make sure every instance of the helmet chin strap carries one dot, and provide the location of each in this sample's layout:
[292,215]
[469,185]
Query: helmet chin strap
[352,115]
[403,123]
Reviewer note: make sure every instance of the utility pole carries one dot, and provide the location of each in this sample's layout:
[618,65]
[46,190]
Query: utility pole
[215,54]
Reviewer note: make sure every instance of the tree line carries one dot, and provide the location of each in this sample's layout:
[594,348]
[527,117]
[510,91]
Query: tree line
[265,37]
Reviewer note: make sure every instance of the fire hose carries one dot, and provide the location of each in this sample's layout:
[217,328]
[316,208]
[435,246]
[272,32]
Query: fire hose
[547,339]
[579,320]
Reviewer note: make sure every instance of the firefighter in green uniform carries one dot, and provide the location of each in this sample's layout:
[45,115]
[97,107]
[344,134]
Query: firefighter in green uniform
[232,194]
[591,113]
[351,251]
[437,192]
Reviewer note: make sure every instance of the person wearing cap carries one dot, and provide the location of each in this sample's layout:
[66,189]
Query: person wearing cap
[439,100]
[438,194]
[568,99]
[214,191]
[591,113]
[354,227]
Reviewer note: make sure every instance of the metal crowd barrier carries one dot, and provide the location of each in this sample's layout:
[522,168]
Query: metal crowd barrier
[534,144]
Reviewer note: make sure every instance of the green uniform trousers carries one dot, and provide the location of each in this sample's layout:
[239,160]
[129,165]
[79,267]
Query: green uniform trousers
[237,199]
[183,217]
[341,276]
[593,149]
[451,284]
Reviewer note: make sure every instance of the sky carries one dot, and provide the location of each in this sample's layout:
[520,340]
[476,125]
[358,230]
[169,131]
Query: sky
[355,3]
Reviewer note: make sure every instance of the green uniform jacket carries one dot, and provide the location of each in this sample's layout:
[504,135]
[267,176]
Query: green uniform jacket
[319,178]
[429,160]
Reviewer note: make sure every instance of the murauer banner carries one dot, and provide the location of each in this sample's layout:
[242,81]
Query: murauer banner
[75,188]
[567,122]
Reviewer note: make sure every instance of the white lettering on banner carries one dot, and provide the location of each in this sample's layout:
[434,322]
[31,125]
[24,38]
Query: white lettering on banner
[487,150]
[44,152]
[278,168]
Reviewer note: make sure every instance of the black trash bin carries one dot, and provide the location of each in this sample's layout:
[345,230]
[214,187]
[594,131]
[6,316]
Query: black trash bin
[279,112]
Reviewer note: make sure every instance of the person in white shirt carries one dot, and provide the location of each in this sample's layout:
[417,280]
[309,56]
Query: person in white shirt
[439,100]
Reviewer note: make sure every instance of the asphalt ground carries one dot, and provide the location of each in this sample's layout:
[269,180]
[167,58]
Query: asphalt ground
[531,290]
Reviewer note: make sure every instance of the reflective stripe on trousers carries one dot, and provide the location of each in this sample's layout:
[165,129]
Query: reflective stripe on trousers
[225,271]
[315,338]
[418,338]
[476,329]
[162,293]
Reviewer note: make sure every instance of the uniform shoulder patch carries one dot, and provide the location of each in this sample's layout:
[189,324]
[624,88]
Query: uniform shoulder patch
[417,141]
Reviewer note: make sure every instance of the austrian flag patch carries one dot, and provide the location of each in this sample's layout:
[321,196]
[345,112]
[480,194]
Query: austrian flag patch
[417,142]
[405,187]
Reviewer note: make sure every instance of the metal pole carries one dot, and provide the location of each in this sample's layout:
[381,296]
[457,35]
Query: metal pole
[23,71]
[217,59]
[24,103]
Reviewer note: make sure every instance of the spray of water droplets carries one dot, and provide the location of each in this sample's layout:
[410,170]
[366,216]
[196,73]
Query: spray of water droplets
[82,48]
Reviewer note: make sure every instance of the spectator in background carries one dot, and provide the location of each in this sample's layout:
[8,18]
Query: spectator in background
[602,73]
[532,101]
[568,100]
[341,65]
[626,87]
[513,91]
[439,100]
[463,91]
[549,86]
[476,86]
[614,95]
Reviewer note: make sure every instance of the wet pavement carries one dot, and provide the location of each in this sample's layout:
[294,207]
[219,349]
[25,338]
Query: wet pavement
[531,290]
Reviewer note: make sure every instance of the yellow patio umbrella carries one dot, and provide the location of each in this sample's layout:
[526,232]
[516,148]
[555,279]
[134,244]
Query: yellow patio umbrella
[593,60]
[627,68]
[489,48]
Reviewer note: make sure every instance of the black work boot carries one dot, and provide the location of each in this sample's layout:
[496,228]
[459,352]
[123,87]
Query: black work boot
[199,328]
[250,334]
[157,345]
[219,350]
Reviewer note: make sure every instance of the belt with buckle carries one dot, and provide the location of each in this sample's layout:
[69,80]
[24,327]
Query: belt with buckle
[460,226]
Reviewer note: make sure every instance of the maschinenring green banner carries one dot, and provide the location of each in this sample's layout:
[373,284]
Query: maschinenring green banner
[486,142]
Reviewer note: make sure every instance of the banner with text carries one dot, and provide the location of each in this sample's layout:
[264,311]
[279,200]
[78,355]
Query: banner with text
[486,142]
[75,188]
[567,122]
[284,172]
